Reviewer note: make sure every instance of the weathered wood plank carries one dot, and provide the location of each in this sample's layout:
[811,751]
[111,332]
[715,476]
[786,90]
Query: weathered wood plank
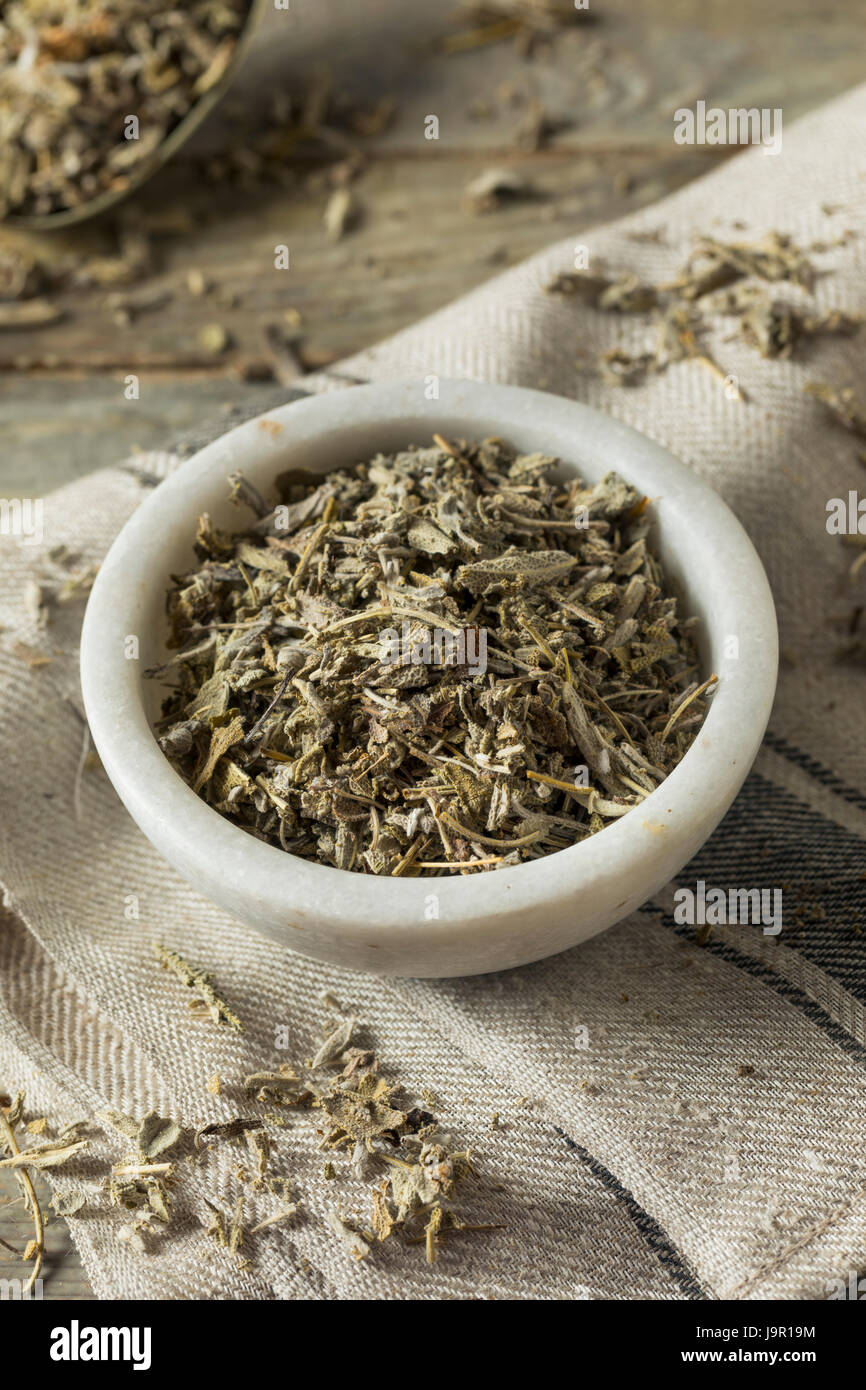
[63,1275]
[416,248]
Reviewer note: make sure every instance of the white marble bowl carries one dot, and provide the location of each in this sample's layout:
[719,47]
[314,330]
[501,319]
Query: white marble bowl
[464,924]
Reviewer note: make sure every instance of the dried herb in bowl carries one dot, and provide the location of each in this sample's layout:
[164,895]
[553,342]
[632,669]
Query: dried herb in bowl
[89,89]
[444,660]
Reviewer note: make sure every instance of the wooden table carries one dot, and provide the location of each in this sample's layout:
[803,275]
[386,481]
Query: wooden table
[416,246]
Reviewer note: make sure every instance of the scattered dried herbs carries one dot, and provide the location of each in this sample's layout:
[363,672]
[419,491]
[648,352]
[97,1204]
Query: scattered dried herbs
[718,280]
[532,24]
[227,1229]
[356,1246]
[67,1204]
[227,1129]
[49,1154]
[388,1136]
[842,405]
[394,1144]
[776,329]
[715,264]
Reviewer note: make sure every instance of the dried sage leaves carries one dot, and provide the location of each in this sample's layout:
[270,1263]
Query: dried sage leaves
[89,89]
[439,661]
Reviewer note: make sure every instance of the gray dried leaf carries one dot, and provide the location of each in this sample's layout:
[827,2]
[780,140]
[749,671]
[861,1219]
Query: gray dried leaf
[157,1134]
[286,1214]
[492,187]
[29,313]
[341,214]
[351,1240]
[226,1129]
[147,1137]
[67,1203]
[50,1155]
[334,1044]
[196,980]
[541,567]
[840,402]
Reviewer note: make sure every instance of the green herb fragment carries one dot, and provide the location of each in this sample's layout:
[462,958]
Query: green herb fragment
[196,980]
[334,1044]
[228,1129]
[227,1228]
[283,1087]
[776,329]
[626,295]
[285,1215]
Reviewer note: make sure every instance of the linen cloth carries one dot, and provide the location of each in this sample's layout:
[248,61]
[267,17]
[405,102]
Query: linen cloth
[710,1141]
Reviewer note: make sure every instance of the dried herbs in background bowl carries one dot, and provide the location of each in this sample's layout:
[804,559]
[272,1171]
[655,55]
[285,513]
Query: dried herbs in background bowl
[95,96]
[408,667]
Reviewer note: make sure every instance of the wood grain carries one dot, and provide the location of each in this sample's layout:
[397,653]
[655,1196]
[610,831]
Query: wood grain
[416,246]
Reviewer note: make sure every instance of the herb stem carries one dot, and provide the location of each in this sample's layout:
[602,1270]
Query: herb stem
[26,1183]
[475,835]
[684,704]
